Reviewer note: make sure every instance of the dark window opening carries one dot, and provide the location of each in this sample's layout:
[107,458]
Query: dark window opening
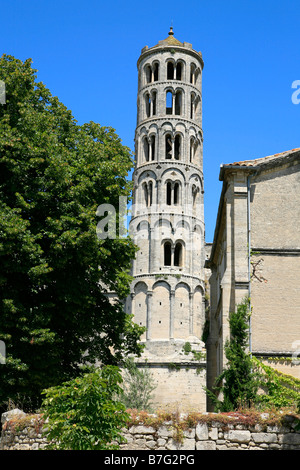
[176,193]
[145,194]
[192,105]
[152,147]
[148,73]
[178,71]
[150,194]
[167,254]
[148,101]
[146,149]
[178,102]
[155,72]
[170,71]
[178,255]
[177,147]
[154,103]
[169,194]
[168,146]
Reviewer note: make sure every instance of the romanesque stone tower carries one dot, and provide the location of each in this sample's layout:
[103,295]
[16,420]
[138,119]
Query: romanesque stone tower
[167,223]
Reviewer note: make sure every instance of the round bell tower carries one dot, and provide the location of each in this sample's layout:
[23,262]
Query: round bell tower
[167,223]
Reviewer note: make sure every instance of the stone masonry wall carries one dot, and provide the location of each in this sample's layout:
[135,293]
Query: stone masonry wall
[212,432]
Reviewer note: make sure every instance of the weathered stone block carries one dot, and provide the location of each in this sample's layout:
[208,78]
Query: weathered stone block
[165,432]
[142,430]
[188,444]
[266,437]
[206,445]
[201,432]
[291,439]
[239,436]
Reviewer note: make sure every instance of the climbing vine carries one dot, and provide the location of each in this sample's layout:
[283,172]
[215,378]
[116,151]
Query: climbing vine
[280,390]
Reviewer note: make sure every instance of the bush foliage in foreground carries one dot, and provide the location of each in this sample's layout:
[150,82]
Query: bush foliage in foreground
[83,414]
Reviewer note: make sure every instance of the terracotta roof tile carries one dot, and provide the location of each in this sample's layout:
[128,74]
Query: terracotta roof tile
[257,161]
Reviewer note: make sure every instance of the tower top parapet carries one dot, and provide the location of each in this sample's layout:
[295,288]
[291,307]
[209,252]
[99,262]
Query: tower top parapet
[171,41]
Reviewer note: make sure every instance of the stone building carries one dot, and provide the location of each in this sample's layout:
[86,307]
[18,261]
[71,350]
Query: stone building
[167,223]
[256,253]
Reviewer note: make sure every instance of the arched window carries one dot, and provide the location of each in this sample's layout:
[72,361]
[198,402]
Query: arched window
[152,148]
[148,73]
[173,193]
[148,193]
[178,255]
[169,102]
[195,191]
[147,104]
[146,149]
[151,73]
[179,71]
[154,94]
[176,193]
[167,254]
[177,147]
[168,146]
[169,193]
[173,256]
[178,102]
[192,114]
[192,74]
[155,71]
[170,71]
[193,149]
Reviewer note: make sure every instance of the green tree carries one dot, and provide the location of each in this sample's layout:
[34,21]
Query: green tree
[238,382]
[82,414]
[54,269]
[137,386]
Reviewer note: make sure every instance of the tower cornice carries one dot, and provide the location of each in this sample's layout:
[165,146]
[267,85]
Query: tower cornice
[168,118]
[185,48]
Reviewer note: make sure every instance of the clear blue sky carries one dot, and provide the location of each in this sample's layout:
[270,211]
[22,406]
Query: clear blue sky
[86,54]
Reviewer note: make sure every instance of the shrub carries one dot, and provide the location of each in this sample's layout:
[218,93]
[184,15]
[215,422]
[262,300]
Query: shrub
[83,413]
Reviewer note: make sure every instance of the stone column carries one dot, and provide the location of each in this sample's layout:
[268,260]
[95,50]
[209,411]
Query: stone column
[148,317]
[191,313]
[172,308]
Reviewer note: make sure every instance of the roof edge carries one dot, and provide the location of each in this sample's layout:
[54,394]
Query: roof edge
[260,163]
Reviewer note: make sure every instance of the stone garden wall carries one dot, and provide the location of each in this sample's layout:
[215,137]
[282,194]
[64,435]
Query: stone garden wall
[208,431]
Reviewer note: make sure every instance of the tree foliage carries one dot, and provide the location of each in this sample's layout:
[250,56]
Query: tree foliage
[137,386]
[238,382]
[54,270]
[82,414]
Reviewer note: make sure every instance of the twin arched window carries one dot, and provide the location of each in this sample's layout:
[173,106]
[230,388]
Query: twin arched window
[174,102]
[173,147]
[152,72]
[148,193]
[173,254]
[193,149]
[194,103]
[194,74]
[174,71]
[173,194]
[149,148]
[150,104]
